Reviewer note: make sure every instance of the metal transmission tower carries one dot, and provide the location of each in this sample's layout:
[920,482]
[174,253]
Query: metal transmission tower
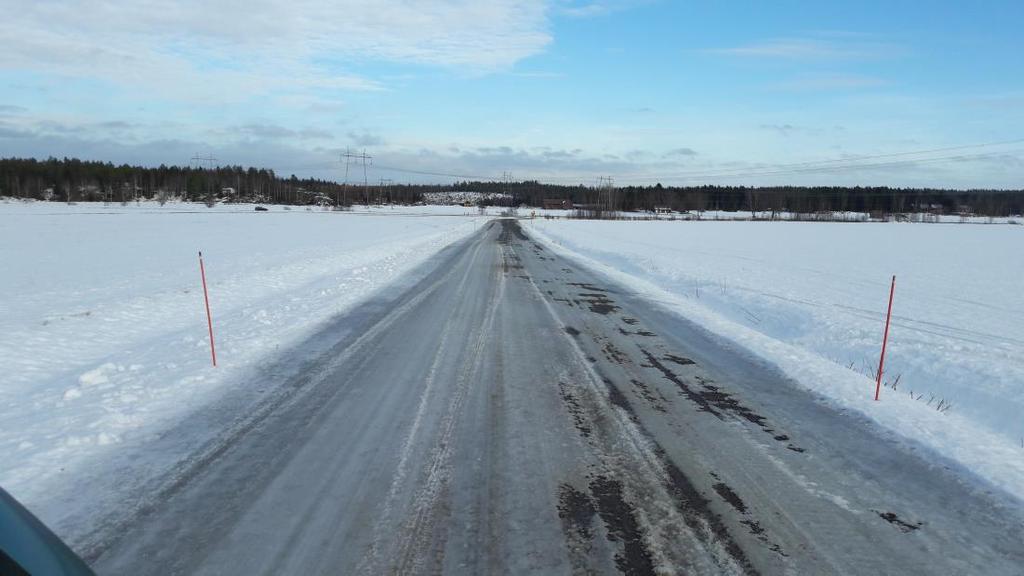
[506,177]
[384,190]
[206,163]
[208,160]
[346,157]
[606,200]
[360,158]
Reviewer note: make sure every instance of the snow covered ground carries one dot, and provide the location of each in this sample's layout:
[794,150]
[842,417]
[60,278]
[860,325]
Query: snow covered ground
[811,298]
[767,215]
[458,198]
[103,337]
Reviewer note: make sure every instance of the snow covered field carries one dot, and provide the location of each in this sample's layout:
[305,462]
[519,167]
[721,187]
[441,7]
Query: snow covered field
[458,198]
[103,338]
[811,298]
[104,347]
[717,215]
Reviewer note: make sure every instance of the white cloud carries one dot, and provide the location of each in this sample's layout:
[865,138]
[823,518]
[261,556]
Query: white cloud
[784,129]
[365,139]
[820,47]
[11,109]
[560,165]
[595,8]
[227,50]
[1002,102]
[274,132]
[822,82]
[676,152]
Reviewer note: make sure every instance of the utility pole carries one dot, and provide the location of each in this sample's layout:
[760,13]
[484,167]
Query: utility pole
[361,158]
[209,161]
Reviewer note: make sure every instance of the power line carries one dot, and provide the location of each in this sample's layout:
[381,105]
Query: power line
[606,193]
[364,159]
[887,160]
[209,160]
[430,173]
[384,189]
[835,164]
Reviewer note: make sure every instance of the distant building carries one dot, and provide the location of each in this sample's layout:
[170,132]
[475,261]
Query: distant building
[926,208]
[557,204]
[662,210]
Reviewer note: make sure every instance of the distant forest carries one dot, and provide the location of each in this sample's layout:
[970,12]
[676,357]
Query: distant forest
[71,180]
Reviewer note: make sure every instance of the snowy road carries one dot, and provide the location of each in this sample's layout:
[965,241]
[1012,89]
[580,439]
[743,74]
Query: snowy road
[514,413]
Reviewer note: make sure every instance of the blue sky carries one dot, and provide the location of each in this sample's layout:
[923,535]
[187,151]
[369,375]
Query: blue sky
[563,91]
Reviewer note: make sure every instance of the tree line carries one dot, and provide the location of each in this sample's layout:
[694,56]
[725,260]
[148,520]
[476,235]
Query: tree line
[71,180]
[793,199]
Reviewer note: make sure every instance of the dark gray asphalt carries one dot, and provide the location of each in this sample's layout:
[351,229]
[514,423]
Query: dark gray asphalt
[514,413]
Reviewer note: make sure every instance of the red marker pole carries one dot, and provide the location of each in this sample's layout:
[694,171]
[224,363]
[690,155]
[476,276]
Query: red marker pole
[209,319]
[885,339]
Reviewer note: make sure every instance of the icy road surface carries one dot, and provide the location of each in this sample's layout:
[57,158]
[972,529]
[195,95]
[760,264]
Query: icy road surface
[513,413]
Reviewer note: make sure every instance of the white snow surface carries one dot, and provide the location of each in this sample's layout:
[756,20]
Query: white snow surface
[811,298]
[103,331]
[456,198]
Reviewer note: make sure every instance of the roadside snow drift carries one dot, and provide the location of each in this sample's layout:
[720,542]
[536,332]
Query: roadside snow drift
[103,336]
[811,298]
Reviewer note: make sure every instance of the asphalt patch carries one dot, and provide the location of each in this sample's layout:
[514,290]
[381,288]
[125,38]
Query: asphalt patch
[656,402]
[696,510]
[516,229]
[892,518]
[586,286]
[715,401]
[679,360]
[614,354]
[617,398]
[577,511]
[575,409]
[599,303]
[730,497]
[646,333]
[620,520]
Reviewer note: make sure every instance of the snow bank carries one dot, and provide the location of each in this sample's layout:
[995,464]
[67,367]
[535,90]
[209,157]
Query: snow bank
[103,338]
[716,215]
[811,298]
[453,197]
